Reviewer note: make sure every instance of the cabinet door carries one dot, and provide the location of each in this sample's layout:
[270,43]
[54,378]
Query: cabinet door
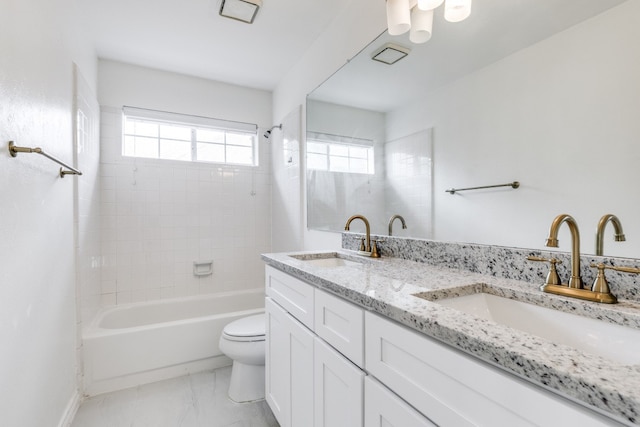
[382,408]
[288,368]
[341,324]
[338,385]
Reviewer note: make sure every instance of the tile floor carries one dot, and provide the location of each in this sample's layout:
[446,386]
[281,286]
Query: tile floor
[190,401]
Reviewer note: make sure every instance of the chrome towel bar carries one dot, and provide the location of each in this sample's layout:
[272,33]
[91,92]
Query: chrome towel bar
[14,150]
[514,184]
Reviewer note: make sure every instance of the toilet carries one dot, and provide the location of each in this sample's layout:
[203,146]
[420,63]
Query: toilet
[243,341]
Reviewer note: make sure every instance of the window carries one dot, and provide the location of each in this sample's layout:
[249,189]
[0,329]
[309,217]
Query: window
[170,136]
[339,154]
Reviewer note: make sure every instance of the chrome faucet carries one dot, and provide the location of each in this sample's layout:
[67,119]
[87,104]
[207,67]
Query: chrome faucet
[372,250]
[393,218]
[618,236]
[575,281]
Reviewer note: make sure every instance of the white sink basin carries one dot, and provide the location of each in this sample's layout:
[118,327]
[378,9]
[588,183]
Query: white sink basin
[614,342]
[331,262]
[327,260]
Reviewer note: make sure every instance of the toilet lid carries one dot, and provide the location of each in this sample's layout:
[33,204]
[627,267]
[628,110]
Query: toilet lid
[252,326]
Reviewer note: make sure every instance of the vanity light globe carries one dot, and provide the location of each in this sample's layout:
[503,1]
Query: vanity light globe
[398,16]
[421,25]
[457,10]
[429,4]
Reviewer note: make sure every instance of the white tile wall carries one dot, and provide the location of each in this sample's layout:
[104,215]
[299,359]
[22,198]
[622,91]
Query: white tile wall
[87,200]
[158,217]
[409,169]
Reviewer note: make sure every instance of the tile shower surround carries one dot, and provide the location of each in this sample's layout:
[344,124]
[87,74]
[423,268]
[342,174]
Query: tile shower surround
[504,262]
[158,217]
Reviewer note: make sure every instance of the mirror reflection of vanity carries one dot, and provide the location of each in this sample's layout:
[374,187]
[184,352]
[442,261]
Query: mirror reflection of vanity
[537,91]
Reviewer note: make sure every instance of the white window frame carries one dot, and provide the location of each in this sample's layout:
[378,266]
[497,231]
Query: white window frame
[195,123]
[338,141]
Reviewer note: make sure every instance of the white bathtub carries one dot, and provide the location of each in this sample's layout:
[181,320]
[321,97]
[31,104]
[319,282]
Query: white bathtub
[141,343]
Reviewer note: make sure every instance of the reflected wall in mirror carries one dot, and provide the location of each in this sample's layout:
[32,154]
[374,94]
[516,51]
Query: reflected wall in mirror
[351,168]
[537,91]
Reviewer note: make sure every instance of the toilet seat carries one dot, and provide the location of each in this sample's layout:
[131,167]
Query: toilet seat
[247,329]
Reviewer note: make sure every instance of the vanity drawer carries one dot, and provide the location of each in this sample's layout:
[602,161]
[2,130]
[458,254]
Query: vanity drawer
[341,324]
[294,295]
[454,389]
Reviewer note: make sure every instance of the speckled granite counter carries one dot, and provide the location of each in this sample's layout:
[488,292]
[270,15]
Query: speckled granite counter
[387,286]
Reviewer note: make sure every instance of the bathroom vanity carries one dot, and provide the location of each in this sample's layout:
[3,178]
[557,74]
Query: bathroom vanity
[357,341]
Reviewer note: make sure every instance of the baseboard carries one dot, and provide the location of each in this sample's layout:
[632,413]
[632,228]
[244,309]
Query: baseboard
[70,411]
[147,377]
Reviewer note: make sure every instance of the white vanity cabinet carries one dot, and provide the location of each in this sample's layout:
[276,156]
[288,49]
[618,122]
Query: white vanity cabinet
[383,408]
[454,389]
[288,367]
[308,382]
[338,389]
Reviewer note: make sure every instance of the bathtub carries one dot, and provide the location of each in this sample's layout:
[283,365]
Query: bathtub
[139,343]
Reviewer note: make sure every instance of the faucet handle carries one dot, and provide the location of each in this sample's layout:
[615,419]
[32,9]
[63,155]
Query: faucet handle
[363,248]
[632,270]
[600,284]
[374,249]
[552,276]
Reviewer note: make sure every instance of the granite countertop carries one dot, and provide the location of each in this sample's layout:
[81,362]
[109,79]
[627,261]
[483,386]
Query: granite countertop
[388,286]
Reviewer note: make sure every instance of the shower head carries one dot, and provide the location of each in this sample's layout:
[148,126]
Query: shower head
[267,134]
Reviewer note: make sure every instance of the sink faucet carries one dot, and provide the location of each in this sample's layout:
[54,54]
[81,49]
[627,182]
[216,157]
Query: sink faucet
[618,236]
[575,281]
[368,248]
[393,218]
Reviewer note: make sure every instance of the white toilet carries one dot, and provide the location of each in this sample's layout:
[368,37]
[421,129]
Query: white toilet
[243,341]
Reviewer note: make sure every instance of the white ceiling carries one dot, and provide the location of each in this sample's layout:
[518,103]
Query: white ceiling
[189,37]
[495,29]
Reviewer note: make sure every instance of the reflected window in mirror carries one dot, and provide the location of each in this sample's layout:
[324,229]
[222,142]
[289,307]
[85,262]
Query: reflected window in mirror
[334,153]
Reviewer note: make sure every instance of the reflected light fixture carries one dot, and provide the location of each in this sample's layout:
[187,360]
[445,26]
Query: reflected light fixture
[390,53]
[416,16]
[240,10]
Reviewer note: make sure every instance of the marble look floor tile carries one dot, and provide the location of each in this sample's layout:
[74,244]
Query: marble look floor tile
[197,400]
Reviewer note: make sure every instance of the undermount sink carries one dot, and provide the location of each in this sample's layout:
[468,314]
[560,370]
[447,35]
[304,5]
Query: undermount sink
[614,342]
[326,260]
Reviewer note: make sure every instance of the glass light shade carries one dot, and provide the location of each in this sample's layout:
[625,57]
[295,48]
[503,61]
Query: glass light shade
[398,16]
[421,25]
[457,10]
[429,4]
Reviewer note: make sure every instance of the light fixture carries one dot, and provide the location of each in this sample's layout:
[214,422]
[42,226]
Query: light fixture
[240,10]
[421,25]
[390,53]
[417,16]
[457,10]
[429,4]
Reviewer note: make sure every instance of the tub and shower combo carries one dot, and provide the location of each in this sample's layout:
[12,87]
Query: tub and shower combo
[145,342]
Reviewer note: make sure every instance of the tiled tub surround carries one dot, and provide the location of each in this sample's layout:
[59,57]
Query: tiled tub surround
[387,286]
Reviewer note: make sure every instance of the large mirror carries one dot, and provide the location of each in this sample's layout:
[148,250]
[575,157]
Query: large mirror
[543,92]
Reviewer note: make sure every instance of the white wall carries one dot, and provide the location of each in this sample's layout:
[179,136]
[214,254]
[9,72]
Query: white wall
[38,46]
[354,28]
[561,117]
[160,216]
